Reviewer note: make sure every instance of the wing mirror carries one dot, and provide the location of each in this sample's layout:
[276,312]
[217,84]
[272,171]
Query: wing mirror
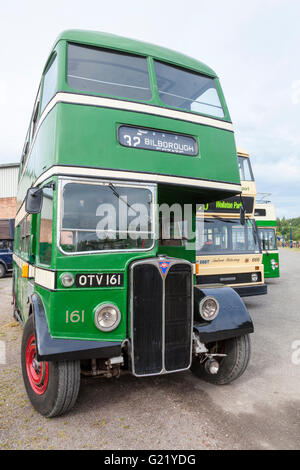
[34,200]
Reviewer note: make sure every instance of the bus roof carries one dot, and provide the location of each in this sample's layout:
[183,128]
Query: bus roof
[242,153]
[96,38]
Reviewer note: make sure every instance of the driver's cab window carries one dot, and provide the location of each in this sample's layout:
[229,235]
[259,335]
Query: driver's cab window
[46,222]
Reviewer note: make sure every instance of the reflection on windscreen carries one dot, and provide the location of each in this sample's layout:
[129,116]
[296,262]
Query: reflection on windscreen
[181,88]
[97,217]
[107,72]
[222,236]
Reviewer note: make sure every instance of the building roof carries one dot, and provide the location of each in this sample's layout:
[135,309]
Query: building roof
[8,179]
[113,41]
[9,165]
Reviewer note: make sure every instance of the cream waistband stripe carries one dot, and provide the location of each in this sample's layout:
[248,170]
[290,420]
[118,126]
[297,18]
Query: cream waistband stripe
[127,175]
[75,98]
[43,277]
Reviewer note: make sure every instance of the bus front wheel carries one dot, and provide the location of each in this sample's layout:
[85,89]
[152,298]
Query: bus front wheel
[52,387]
[232,365]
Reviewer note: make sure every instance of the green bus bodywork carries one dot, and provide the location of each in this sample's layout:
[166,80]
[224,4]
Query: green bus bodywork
[74,138]
[267,234]
[86,136]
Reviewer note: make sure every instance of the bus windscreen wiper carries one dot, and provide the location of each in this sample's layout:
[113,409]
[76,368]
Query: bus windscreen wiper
[112,187]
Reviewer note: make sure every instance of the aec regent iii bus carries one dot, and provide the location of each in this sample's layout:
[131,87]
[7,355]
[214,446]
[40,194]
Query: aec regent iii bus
[265,216]
[228,251]
[121,130]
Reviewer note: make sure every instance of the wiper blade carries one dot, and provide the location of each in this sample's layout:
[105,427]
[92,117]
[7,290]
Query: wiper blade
[111,186]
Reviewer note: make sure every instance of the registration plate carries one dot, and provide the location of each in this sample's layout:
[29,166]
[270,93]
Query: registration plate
[99,280]
[150,139]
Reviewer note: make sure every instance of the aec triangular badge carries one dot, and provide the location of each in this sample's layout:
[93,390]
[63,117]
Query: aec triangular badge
[164,266]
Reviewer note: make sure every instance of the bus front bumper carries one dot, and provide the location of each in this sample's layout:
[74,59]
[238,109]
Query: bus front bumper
[248,291]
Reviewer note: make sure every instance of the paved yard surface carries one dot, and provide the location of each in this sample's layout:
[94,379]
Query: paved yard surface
[261,410]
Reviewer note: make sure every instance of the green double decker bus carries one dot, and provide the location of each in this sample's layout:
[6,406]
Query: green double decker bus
[125,139]
[265,216]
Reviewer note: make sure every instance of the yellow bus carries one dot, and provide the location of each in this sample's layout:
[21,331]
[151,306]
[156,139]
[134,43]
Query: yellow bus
[228,248]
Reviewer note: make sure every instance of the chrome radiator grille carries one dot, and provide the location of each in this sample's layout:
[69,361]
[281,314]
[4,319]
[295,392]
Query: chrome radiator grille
[161,316]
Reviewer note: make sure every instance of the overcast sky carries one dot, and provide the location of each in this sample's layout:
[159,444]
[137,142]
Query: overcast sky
[254,47]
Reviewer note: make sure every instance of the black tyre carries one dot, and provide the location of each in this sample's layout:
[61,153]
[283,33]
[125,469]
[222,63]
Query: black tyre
[52,387]
[232,366]
[2,270]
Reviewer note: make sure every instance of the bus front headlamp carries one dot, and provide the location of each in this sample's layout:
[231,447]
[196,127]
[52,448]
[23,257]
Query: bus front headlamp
[67,279]
[107,317]
[209,308]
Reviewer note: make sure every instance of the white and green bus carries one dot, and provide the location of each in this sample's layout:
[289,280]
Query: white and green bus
[121,130]
[265,216]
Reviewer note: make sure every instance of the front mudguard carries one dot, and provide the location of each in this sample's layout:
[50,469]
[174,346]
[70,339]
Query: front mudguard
[52,349]
[232,320]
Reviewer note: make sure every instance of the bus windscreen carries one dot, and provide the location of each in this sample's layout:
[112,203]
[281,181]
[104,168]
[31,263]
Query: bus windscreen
[225,236]
[98,217]
[110,73]
[184,89]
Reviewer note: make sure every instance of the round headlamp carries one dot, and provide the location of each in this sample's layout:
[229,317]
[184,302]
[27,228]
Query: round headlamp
[107,317]
[254,277]
[209,308]
[67,279]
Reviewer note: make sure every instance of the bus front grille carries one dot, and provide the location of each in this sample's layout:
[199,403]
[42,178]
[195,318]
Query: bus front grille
[161,316]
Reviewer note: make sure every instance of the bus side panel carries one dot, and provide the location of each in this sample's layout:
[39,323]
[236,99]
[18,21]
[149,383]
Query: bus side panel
[271,265]
[42,156]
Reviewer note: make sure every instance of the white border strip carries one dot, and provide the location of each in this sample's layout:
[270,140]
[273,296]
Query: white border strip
[130,175]
[43,277]
[76,98]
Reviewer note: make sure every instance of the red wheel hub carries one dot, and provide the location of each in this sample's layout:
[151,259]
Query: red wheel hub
[37,372]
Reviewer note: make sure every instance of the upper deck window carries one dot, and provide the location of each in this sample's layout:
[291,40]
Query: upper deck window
[95,70]
[245,169]
[260,212]
[187,90]
[49,86]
